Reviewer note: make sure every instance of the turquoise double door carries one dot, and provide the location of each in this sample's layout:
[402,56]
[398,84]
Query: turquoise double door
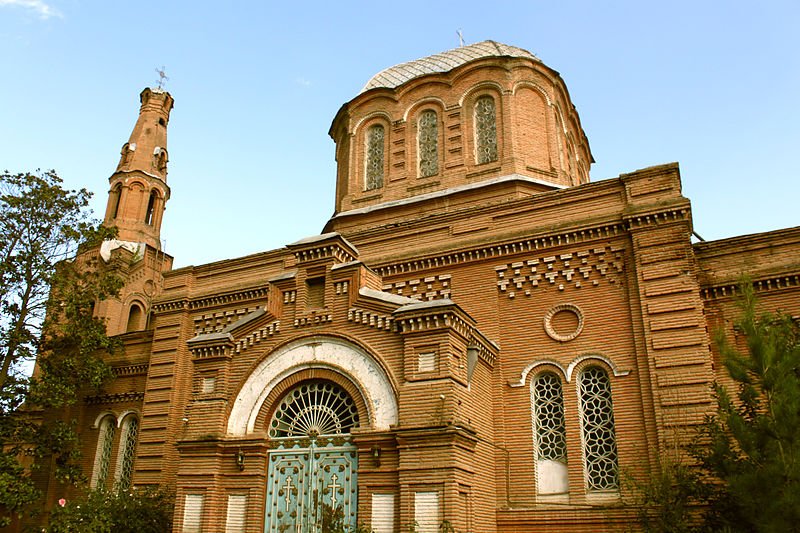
[311,486]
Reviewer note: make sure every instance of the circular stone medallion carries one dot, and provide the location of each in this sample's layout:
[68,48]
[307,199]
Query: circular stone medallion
[563,322]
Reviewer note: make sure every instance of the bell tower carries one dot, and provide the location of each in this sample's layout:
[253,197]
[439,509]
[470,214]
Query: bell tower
[138,188]
[136,200]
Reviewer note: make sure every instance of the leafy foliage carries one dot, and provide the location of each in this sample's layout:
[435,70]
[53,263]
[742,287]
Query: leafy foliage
[101,511]
[47,294]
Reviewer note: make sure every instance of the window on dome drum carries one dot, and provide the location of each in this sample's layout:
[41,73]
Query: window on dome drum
[485,130]
[549,434]
[597,424]
[314,408]
[428,144]
[374,167]
[105,444]
[130,431]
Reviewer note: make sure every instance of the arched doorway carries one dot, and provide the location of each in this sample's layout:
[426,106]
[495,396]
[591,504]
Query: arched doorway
[312,465]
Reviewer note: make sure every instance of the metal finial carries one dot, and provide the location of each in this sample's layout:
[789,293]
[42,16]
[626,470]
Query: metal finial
[162,77]
[460,37]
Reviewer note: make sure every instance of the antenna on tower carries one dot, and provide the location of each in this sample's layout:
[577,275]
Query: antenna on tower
[162,77]
[460,37]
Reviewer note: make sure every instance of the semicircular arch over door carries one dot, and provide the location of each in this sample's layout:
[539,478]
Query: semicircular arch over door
[338,355]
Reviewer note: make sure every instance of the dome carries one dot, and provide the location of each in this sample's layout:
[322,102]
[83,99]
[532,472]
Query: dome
[399,74]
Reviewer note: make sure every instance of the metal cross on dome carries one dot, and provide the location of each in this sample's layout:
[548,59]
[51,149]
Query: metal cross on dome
[162,77]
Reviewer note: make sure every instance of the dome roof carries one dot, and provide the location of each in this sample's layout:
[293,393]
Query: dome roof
[446,61]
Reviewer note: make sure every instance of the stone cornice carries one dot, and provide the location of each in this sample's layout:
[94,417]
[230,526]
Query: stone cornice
[730,289]
[114,398]
[510,247]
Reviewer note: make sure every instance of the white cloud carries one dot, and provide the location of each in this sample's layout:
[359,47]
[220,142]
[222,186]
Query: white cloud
[300,81]
[41,8]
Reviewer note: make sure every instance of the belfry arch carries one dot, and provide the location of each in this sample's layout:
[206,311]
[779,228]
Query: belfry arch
[331,353]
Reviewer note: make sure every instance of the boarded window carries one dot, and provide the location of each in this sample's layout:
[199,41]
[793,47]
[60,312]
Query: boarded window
[383,513]
[237,512]
[316,293]
[427,362]
[426,512]
[193,513]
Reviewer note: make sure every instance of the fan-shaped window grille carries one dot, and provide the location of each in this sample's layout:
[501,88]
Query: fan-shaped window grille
[105,443]
[597,421]
[314,408]
[548,411]
[485,130]
[374,171]
[428,144]
[130,430]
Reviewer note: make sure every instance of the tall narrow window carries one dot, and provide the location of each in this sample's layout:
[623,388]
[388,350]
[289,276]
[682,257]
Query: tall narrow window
[151,208]
[428,144]
[102,458]
[127,451]
[550,435]
[485,130]
[597,421]
[116,196]
[374,171]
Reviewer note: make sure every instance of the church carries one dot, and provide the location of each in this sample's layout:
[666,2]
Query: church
[480,338]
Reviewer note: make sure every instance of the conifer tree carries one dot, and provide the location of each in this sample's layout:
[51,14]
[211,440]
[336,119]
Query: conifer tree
[752,443]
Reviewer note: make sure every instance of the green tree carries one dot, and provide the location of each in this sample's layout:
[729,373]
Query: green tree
[47,295]
[751,445]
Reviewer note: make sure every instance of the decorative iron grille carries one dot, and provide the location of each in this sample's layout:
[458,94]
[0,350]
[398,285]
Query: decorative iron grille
[548,416]
[374,172]
[129,434]
[597,420]
[485,130]
[314,408]
[428,144]
[105,444]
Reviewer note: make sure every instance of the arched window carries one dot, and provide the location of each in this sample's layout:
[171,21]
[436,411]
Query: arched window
[151,208]
[374,160]
[550,443]
[135,318]
[485,130]
[102,457]
[428,144]
[314,408]
[127,451]
[116,196]
[597,424]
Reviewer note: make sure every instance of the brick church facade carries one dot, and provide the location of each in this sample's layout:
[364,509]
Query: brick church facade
[479,336]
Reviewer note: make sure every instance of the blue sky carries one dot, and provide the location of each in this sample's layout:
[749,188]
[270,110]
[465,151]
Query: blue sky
[711,84]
